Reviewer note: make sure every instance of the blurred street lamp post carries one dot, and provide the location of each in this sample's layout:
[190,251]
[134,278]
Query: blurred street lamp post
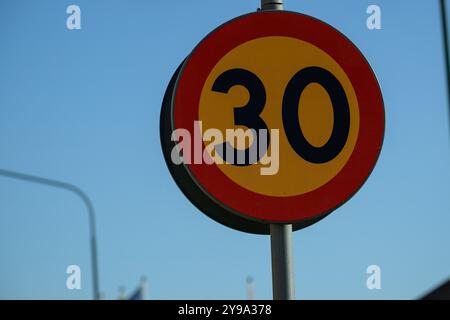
[250,289]
[90,209]
[444,24]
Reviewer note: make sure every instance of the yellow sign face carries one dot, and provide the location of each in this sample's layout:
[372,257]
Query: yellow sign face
[275,60]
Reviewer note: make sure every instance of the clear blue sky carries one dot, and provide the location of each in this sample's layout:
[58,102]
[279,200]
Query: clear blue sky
[83,107]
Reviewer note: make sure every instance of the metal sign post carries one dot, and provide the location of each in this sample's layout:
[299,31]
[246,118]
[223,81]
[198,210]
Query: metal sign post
[281,234]
[271,4]
[282,262]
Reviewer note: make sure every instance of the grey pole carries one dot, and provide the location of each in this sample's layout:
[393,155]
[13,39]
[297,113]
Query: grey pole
[443,8]
[281,234]
[282,262]
[89,206]
[271,4]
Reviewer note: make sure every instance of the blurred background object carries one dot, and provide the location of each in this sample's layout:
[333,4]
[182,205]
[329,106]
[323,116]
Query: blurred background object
[440,293]
[250,288]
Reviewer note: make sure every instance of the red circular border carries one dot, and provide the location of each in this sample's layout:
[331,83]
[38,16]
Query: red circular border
[368,146]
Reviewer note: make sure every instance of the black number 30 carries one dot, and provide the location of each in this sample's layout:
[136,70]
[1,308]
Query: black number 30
[249,115]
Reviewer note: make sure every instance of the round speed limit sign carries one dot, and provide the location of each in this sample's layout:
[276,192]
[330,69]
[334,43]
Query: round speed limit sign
[275,117]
